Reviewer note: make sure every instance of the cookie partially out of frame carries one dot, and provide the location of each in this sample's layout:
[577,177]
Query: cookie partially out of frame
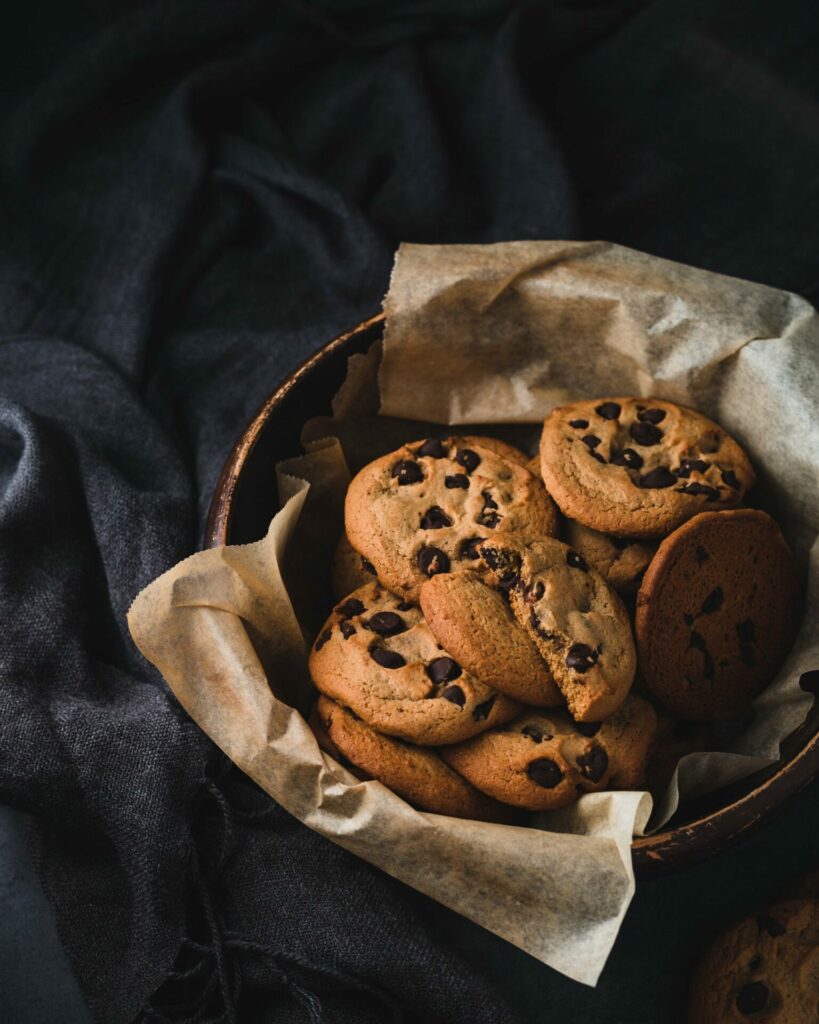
[543,760]
[716,613]
[765,968]
[422,510]
[639,467]
[349,570]
[377,656]
[415,773]
[476,625]
[577,622]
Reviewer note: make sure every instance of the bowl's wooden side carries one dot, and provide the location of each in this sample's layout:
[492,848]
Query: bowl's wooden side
[245,499]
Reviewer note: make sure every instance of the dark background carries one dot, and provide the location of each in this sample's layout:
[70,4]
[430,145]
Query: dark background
[195,196]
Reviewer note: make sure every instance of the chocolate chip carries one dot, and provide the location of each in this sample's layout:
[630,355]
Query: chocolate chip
[809,681]
[458,480]
[608,410]
[579,424]
[435,519]
[576,561]
[443,670]
[544,772]
[488,500]
[469,548]
[509,580]
[368,566]
[532,732]
[710,493]
[746,632]
[770,925]
[581,657]
[387,659]
[407,472]
[657,478]
[645,434]
[455,695]
[754,964]
[729,477]
[481,712]
[468,459]
[752,997]
[432,448]
[405,606]
[713,602]
[352,606]
[747,653]
[386,623]
[347,629]
[537,626]
[488,519]
[588,729]
[432,560]
[628,458]
[590,440]
[701,554]
[598,456]
[651,415]
[322,640]
[689,466]
[534,592]
[593,765]
[689,619]
[696,641]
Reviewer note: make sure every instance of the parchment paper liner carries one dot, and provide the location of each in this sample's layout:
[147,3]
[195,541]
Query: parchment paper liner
[491,335]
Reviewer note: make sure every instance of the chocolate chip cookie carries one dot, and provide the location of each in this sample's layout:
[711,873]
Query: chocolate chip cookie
[543,759]
[476,625]
[620,561]
[377,656]
[415,773]
[349,570]
[765,968]
[716,613]
[577,622]
[423,509]
[639,467]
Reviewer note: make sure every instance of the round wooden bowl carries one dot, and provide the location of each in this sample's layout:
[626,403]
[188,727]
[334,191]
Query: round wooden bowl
[244,502]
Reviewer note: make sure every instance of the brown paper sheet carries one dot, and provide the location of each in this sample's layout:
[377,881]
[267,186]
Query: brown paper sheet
[496,335]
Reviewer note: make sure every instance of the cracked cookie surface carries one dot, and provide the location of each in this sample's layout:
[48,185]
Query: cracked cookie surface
[620,561]
[716,613]
[475,624]
[377,656]
[421,510]
[577,622]
[417,774]
[543,760]
[639,467]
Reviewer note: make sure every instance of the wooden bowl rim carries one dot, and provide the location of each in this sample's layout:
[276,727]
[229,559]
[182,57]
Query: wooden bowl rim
[666,850]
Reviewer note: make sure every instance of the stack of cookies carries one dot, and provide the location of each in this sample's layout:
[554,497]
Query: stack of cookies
[495,610]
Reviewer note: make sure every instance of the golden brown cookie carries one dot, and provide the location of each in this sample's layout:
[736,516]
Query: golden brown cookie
[577,622]
[620,561]
[377,656]
[494,444]
[717,612]
[639,467]
[349,570]
[415,773]
[422,509]
[476,625]
[765,968]
[543,759]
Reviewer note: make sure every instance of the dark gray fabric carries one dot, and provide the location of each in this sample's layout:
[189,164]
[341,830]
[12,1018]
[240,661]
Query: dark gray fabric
[199,196]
